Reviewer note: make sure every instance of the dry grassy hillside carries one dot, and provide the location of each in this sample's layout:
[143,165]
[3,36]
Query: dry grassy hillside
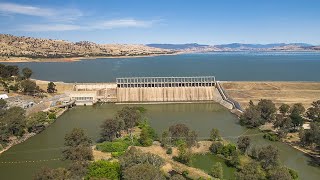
[14,46]
[278,92]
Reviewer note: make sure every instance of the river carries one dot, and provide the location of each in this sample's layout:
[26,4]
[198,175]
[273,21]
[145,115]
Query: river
[201,117]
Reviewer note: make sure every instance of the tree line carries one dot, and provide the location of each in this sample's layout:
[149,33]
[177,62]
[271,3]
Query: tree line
[13,80]
[285,119]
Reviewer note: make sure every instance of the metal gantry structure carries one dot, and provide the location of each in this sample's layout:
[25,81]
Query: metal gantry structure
[138,82]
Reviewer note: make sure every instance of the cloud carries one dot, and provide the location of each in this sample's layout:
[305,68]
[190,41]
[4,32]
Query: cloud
[49,27]
[124,23]
[54,14]
[108,24]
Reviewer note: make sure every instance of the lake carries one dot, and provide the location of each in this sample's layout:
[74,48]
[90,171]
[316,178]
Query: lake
[231,66]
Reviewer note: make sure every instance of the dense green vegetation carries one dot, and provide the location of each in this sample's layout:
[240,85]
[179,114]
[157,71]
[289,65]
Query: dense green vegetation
[14,123]
[286,119]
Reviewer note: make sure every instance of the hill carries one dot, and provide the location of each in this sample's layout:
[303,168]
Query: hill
[15,46]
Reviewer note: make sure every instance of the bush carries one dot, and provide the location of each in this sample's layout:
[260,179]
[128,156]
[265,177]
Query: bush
[228,150]
[1,148]
[216,147]
[103,170]
[293,173]
[52,116]
[117,154]
[169,150]
[271,137]
[118,146]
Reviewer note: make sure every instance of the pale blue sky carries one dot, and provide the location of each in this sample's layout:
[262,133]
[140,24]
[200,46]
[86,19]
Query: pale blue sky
[164,21]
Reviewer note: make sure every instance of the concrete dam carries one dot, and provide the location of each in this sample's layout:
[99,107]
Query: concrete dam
[153,90]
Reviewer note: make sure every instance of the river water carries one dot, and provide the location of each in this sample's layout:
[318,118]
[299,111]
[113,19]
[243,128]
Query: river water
[44,148]
[201,117]
[234,66]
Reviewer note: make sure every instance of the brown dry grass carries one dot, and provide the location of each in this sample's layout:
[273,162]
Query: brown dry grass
[60,86]
[278,92]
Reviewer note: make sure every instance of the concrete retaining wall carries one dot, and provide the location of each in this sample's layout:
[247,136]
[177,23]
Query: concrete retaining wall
[166,94]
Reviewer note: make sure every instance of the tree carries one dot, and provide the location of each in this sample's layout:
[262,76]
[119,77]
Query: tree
[15,121]
[78,153]
[310,136]
[3,103]
[165,139]
[52,174]
[297,108]
[36,122]
[251,118]
[183,153]
[243,143]
[79,146]
[103,169]
[78,169]
[284,109]
[12,70]
[109,129]
[28,86]
[135,156]
[296,118]
[145,137]
[76,138]
[216,147]
[217,170]
[27,73]
[215,135]
[51,88]
[268,156]
[234,159]
[250,171]
[314,111]
[192,139]
[179,131]
[280,173]
[142,171]
[267,109]
[130,116]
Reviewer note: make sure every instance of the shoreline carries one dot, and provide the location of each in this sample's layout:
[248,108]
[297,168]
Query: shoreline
[29,135]
[76,59]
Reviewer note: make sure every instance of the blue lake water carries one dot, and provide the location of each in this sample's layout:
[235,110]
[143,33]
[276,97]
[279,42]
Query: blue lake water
[237,66]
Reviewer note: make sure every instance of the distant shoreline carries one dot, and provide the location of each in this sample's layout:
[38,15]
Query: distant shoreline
[75,59]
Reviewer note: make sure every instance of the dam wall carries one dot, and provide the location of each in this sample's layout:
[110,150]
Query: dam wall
[166,94]
[153,89]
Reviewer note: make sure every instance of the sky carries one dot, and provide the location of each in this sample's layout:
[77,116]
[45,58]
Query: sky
[164,21]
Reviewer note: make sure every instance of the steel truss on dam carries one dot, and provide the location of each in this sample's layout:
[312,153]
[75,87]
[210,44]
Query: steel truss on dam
[132,82]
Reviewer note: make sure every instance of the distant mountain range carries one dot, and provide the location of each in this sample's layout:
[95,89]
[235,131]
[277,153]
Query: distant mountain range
[28,48]
[238,47]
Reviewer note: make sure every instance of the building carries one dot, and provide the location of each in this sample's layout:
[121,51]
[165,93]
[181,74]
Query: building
[4,96]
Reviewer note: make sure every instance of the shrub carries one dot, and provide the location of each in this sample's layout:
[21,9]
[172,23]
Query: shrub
[271,137]
[228,150]
[103,170]
[52,116]
[293,173]
[169,150]
[112,146]
[117,154]
[216,147]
